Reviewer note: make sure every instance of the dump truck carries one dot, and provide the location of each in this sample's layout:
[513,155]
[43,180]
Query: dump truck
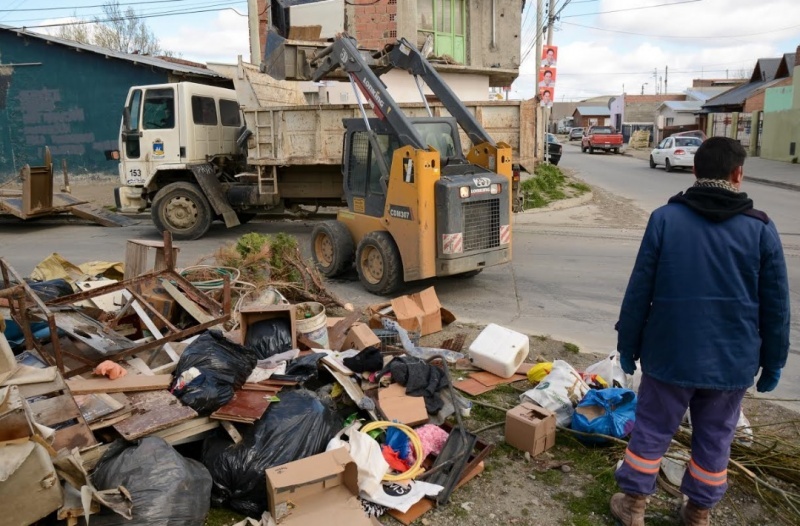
[194,154]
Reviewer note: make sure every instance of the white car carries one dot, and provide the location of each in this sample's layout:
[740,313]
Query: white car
[675,152]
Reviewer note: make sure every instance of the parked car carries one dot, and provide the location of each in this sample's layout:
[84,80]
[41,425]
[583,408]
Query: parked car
[553,149]
[693,133]
[675,152]
[601,138]
[575,134]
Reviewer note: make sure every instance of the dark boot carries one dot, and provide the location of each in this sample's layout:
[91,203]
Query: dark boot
[628,509]
[692,515]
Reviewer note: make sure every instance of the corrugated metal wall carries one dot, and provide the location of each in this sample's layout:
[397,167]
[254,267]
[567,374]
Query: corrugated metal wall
[71,102]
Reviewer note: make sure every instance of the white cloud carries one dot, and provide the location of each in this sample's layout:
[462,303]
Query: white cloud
[221,39]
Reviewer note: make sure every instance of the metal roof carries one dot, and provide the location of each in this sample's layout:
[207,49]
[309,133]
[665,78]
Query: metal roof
[146,60]
[689,106]
[601,111]
[703,94]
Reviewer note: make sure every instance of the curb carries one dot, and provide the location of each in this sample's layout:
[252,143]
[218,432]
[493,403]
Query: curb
[777,184]
[564,204]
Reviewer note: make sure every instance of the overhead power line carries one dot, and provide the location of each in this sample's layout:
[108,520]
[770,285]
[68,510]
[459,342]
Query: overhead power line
[715,37]
[633,8]
[76,7]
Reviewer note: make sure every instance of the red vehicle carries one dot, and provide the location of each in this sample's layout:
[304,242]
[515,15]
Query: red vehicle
[601,138]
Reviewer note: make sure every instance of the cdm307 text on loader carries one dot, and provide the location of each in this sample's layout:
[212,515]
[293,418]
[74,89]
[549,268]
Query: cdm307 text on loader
[417,207]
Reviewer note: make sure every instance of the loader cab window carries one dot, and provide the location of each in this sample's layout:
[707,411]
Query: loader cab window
[159,109]
[204,111]
[229,113]
[438,135]
[364,172]
[132,150]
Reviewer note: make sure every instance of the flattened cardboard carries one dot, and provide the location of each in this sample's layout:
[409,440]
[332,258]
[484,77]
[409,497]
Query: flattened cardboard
[15,415]
[322,489]
[32,485]
[419,312]
[360,336]
[491,380]
[254,313]
[397,405]
[530,428]
[472,387]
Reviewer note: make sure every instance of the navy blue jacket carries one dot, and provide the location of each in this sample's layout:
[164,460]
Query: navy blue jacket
[707,303]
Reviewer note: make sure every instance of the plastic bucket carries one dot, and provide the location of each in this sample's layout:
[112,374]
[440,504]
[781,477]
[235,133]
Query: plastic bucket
[312,322]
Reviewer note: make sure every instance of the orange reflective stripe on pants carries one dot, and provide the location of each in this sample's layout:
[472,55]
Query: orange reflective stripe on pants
[707,477]
[640,464]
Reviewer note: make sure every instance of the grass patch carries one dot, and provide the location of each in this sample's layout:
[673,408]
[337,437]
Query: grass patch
[222,517]
[571,347]
[549,184]
[581,188]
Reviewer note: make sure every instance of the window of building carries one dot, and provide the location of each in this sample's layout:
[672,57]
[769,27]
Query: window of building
[446,22]
[229,113]
[204,111]
[670,121]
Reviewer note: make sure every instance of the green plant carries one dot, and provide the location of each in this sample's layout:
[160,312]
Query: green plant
[582,188]
[251,243]
[544,187]
[571,347]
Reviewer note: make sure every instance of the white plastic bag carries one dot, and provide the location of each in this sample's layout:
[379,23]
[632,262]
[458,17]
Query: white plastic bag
[611,371]
[560,391]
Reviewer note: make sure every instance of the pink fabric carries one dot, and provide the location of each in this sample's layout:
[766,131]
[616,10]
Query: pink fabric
[432,437]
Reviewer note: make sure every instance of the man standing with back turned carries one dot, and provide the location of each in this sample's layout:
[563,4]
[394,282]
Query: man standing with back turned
[707,305]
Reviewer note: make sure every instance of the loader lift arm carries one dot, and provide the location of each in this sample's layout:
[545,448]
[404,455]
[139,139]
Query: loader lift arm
[404,55]
[343,53]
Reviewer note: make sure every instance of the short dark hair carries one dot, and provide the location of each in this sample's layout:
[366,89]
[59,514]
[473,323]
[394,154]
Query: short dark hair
[717,157]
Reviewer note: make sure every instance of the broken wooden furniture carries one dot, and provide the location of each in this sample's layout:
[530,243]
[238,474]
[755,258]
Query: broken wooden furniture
[92,341]
[37,199]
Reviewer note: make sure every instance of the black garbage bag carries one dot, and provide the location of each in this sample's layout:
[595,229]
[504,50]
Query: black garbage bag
[224,366]
[301,369]
[167,489]
[51,289]
[270,337]
[296,427]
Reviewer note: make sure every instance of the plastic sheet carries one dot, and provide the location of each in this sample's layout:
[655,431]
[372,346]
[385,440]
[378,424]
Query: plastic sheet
[269,337]
[166,488]
[609,412]
[51,289]
[224,366]
[296,427]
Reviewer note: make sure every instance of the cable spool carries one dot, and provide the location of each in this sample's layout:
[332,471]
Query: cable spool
[415,470]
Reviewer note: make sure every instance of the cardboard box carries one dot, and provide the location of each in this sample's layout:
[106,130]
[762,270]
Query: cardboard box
[15,415]
[31,485]
[360,336]
[254,313]
[321,489]
[530,428]
[419,312]
[161,301]
[397,405]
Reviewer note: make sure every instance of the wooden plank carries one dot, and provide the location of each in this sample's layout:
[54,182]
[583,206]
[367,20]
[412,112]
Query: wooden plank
[31,390]
[232,432]
[150,325]
[79,436]
[52,411]
[245,405]
[96,406]
[139,365]
[186,304]
[188,431]
[153,411]
[100,216]
[128,383]
[351,387]
[338,333]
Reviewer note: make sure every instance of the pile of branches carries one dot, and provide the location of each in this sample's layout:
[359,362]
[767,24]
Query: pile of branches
[261,262]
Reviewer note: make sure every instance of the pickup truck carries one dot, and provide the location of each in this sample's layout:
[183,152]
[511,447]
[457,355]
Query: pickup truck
[601,138]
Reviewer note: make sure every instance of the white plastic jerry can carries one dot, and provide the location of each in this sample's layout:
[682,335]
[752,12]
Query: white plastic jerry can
[499,350]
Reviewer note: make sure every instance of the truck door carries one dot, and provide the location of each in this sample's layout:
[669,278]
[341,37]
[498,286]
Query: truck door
[133,165]
[151,138]
[207,133]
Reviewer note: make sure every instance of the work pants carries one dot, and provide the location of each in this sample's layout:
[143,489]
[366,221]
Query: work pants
[659,411]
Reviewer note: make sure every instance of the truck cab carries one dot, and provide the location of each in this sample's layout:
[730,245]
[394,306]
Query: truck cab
[166,130]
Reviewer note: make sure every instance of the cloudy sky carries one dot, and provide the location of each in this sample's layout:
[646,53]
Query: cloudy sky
[605,46]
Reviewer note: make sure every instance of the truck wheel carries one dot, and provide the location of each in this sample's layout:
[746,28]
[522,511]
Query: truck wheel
[378,262]
[332,248]
[667,165]
[652,162]
[182,209]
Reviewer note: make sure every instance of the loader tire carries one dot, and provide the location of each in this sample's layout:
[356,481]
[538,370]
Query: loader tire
[332,248]
[183,209]
[380,268]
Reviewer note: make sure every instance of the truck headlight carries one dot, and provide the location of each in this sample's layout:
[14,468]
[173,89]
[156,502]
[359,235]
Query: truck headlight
[464,192]
[495,188]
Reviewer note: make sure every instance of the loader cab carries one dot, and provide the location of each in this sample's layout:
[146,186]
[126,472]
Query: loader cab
[363,188]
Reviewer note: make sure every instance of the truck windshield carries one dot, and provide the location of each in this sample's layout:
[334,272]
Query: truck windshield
[159,109]
[601,131]
[438,135]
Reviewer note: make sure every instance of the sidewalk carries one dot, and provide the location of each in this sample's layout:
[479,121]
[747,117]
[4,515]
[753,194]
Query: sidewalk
[756,169]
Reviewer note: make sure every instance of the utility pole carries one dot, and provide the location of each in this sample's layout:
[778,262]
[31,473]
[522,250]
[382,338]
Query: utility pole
[666,76]
[541,150]
[548,111]
[655,81]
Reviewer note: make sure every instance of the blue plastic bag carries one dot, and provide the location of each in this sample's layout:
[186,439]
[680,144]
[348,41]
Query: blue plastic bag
[606,412]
